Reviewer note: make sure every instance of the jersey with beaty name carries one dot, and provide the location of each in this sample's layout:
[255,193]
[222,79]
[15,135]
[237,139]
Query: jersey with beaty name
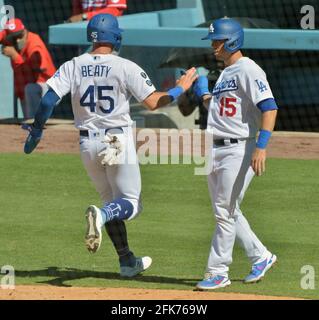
[101,86]
[233,111]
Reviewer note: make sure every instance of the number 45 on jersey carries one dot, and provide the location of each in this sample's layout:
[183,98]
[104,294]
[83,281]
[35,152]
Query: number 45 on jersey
[88,98]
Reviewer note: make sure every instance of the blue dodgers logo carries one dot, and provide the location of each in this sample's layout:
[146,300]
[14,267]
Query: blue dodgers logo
[224,86]
[261,86]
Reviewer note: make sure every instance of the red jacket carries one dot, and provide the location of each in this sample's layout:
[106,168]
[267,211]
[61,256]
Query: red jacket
[33,64]
[94,7]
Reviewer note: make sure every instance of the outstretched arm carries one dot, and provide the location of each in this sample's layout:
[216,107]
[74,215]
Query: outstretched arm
[161,99]
[47,104]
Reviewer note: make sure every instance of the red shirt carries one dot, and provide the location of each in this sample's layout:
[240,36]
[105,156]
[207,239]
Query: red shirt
[33,64]
[94,7]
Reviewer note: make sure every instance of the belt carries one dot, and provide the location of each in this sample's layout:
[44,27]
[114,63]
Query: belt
[225,142]
[85,133]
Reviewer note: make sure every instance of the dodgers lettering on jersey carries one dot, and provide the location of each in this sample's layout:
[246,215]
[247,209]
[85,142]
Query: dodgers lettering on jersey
[233,111]
[224,86]
[101,87]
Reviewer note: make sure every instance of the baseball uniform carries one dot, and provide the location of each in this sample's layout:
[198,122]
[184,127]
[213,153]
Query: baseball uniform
[101,87]
[233,114]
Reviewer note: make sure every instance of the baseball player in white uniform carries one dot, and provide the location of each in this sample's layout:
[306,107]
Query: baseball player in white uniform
[240,105]
[101,84]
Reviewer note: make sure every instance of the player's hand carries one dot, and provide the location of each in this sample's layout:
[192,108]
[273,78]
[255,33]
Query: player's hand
[201,86]
[33,138]
[187,79]
[258,161]
[9,51]
[76,18]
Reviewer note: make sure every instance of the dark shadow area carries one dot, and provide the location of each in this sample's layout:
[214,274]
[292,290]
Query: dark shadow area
[69,274]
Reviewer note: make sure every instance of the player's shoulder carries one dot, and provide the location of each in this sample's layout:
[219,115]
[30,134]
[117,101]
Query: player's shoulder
[81,58]
[126,62]
[248,65]
[109,58]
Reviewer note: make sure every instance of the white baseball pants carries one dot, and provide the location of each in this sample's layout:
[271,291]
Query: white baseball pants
[117,181]
[228,181]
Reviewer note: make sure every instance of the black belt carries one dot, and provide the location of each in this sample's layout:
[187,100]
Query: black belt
[85,133]
[221,142]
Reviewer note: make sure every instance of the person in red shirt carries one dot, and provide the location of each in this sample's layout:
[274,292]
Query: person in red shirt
[86,9]
[31,63]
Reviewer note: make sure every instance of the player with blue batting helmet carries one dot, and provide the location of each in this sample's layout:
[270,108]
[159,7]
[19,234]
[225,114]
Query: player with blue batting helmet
[104,28]
[229,30]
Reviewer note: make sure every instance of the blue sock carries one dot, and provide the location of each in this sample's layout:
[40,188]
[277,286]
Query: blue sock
[118,209]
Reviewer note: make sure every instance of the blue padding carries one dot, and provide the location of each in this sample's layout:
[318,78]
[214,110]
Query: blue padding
[184,17]
[47,104]
[75,33]
[267,105]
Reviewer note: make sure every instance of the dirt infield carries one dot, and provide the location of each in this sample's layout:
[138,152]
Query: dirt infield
[81,293]
[63,138]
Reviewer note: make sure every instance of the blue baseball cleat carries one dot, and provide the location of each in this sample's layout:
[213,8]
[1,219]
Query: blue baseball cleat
[212,282]
[258,270]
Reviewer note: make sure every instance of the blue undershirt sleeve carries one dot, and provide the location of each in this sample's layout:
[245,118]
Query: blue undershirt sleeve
[47,104]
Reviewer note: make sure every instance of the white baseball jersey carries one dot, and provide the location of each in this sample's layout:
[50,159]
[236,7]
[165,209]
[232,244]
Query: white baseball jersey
[101,87]
[232,111]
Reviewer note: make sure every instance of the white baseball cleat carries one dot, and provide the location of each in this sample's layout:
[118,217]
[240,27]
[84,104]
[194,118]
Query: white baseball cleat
[93,236]
[141,264]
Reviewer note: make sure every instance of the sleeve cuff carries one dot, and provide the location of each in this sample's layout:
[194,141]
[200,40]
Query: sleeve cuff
[56,90]
[267,105]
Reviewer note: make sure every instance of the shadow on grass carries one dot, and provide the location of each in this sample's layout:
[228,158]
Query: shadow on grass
[68,274]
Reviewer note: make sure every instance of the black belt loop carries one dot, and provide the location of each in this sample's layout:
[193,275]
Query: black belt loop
[221,142]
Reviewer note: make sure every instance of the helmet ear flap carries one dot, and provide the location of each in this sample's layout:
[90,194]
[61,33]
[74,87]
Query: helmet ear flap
[230,46]
[118,43]
[235,42]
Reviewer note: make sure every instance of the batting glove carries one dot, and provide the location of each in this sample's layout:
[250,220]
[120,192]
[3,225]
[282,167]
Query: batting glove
[201,86]
[33,138]
[113,151]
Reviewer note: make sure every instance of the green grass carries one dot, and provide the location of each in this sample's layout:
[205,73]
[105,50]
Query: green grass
[43,199]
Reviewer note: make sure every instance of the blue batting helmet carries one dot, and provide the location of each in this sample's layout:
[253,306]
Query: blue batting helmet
[104,28]
[229,30]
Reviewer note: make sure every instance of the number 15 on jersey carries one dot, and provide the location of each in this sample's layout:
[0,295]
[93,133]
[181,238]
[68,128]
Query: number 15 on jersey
[88,98]
[227,107]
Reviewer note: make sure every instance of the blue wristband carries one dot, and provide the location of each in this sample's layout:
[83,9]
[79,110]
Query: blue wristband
[175,92]
[263,139]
